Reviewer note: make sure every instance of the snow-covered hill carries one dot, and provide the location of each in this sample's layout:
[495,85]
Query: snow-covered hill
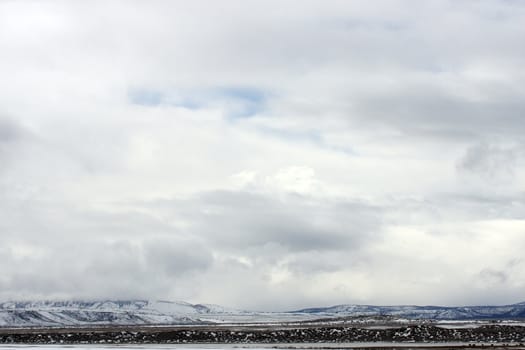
[129,312]
[514,311]
[143,312]
[77,313]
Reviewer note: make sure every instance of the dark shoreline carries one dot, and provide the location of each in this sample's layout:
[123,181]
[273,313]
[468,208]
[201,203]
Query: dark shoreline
[260,334]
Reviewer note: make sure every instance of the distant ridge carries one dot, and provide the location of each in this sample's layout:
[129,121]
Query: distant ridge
[42,313]
[513,311]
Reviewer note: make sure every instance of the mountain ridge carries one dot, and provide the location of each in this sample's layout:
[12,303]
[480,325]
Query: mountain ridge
[56,313]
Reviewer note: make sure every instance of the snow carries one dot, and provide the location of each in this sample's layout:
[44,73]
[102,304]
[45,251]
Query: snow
[423,312]
[146,312]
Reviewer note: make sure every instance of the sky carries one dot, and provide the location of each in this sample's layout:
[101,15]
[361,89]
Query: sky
[265,155]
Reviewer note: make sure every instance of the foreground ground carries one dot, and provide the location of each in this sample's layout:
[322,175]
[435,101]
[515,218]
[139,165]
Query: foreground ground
[493,335]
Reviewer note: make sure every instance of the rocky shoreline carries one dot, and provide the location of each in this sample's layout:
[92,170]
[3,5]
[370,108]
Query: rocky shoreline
[410,333]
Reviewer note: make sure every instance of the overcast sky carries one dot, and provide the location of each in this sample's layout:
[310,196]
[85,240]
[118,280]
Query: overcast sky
[267,155]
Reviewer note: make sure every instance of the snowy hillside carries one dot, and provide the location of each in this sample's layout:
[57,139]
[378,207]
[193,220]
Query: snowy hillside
[76,313]
[423,312]
[129,312]
[143,312]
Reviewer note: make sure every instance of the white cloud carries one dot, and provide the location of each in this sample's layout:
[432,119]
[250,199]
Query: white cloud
[300,152]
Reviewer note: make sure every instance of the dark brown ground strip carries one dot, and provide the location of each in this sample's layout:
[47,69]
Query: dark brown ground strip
[260,334]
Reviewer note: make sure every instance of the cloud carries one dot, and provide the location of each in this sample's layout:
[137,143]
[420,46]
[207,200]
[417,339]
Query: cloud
[183,249]
[178,257]
[249,220]
[490,162]
[12,136]
[313,152]
[493,277]
[9,131]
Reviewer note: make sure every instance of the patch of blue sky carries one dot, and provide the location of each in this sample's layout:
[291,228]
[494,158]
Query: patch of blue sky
[245,101]
[190,102]
[238,102]
[248,94]
[152,97]
[145,97]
